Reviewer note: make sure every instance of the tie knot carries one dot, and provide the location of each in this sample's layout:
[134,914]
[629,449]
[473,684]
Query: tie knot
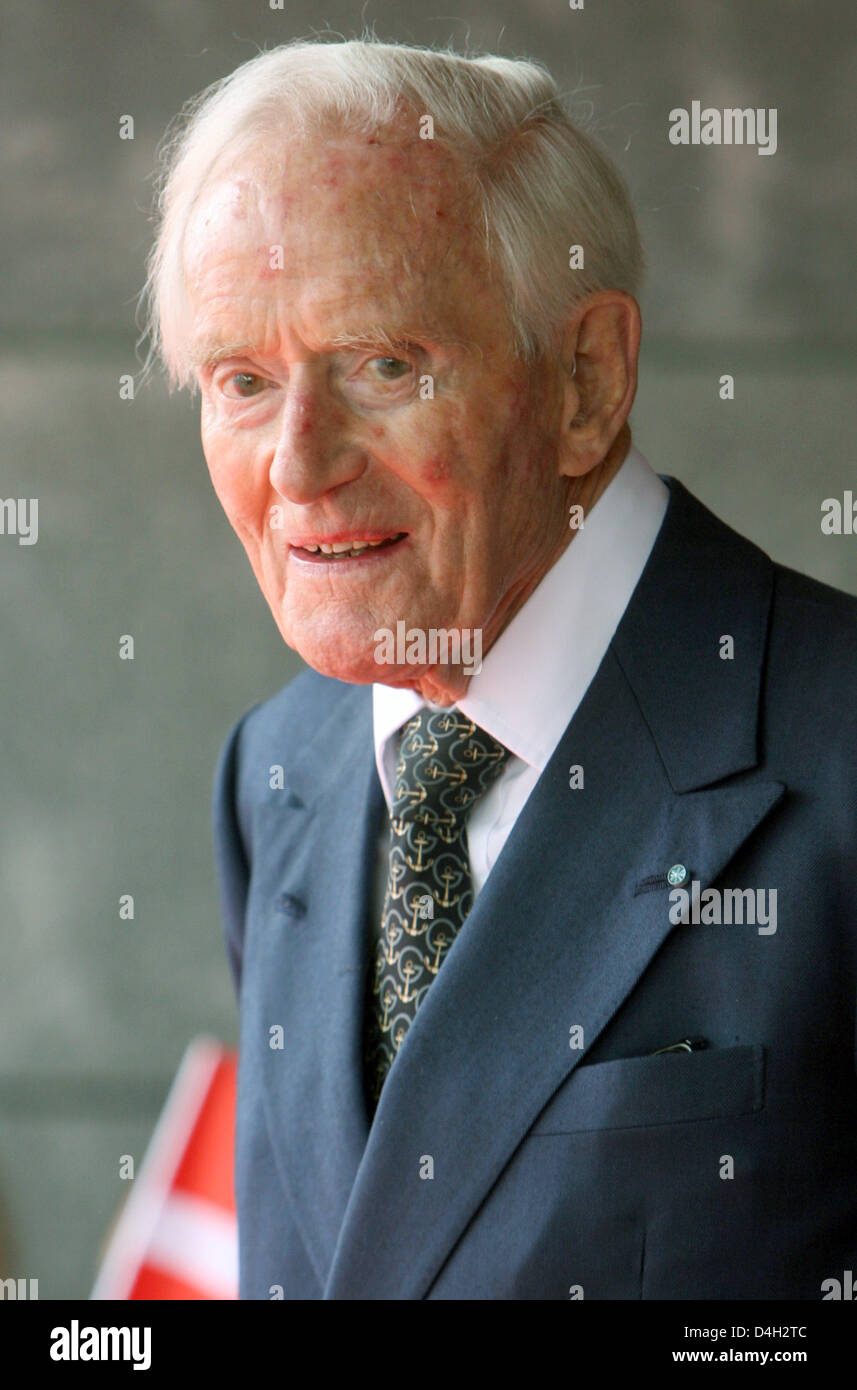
[445,762]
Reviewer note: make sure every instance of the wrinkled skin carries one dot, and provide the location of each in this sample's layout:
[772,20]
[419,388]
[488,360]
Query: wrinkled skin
[313,412]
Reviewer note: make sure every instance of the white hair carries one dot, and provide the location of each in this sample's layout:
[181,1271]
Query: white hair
[540,183]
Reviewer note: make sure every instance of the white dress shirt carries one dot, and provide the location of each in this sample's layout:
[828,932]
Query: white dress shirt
[537,672]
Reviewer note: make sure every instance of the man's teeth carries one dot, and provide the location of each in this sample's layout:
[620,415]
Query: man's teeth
[344,547]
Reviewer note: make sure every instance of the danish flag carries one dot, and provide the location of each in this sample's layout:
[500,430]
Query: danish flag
[177,1235]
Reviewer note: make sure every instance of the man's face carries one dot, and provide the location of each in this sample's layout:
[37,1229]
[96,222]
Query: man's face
[359,386]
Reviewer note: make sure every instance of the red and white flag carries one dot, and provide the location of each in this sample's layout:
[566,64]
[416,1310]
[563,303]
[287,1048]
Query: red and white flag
[177,1235]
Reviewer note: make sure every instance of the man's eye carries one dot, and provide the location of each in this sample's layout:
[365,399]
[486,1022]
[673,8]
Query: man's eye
[247,383]
[390,368]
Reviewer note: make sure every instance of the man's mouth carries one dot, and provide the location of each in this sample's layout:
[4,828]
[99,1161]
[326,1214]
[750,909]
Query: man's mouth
[353,548]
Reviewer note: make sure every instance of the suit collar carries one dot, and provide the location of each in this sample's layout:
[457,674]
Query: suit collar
[703,584]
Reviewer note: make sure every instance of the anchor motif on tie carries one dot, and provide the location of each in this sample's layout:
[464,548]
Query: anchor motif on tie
[445,828]
[448,876]
[416,748]
[440,947]
[388,999]
[452,774]
[391,938]
[397,868]
[409,970]
[449,723]
[416,794]
[420,841]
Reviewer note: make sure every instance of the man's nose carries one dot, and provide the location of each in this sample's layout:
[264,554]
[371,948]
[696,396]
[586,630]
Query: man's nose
[313,453]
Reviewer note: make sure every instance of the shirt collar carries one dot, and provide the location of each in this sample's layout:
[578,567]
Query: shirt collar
[537,672]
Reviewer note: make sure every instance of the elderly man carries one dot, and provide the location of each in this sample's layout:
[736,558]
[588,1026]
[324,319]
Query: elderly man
[539,886]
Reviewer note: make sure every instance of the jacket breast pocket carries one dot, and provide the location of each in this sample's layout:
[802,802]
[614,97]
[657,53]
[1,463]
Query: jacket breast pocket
[674,1088]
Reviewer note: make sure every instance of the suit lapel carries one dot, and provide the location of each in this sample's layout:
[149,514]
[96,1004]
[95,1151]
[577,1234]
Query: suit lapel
[320,855]
[559,937]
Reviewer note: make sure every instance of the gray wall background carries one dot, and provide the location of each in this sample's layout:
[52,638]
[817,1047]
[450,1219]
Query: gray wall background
[108,764]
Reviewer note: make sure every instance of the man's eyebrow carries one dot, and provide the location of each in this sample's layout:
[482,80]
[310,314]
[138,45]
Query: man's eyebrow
[394,342]
[207,353]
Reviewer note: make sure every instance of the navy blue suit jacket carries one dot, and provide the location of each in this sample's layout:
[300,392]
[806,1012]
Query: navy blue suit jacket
[598,1169]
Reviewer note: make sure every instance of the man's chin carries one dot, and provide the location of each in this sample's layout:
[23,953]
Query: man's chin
[357,668]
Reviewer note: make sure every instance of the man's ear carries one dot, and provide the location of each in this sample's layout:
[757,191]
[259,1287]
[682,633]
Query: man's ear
[599,354]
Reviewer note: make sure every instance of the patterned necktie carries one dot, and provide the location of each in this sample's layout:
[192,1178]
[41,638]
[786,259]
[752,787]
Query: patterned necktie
[445,764]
